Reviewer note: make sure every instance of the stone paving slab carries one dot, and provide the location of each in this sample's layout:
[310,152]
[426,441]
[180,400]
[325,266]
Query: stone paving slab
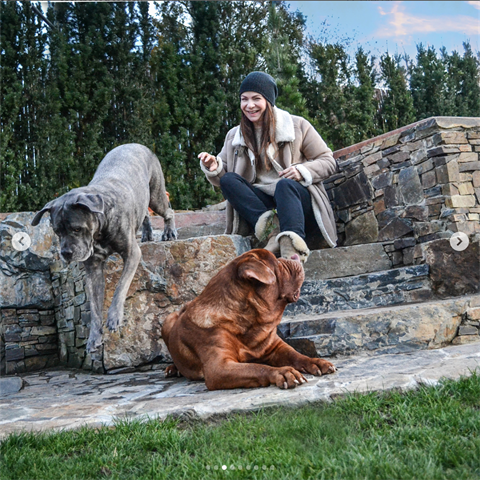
[66,399]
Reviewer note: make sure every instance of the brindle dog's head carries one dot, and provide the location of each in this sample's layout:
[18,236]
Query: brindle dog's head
[74,217]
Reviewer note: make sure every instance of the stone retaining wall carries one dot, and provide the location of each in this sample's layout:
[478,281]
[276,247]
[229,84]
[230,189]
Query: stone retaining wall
[29,340]
[412,186]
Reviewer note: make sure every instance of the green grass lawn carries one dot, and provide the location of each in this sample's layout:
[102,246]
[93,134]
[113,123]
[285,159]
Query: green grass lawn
[430,433]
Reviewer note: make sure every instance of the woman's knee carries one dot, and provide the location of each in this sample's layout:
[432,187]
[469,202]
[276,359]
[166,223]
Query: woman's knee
[287,187]
[229,178]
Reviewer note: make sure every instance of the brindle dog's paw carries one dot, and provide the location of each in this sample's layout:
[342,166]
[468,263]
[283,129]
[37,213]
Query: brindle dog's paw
[147,236]
[172,371]
[94,342]
[113,320]
[169,234]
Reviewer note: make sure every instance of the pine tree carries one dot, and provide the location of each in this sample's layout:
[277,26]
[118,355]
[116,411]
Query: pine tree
[463,82]
[397,106]
[427,84]
[11,163]
[363,104]
[329,95]
[283,56]
[23,75]
[171,103]
[55,169]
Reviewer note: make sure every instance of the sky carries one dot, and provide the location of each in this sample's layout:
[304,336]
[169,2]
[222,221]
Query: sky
[394,26]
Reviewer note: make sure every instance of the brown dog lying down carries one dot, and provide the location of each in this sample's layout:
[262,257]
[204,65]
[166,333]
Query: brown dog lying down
[228,334]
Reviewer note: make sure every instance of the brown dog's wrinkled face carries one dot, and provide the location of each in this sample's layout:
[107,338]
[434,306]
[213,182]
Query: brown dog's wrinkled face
[291,279]
[279,279]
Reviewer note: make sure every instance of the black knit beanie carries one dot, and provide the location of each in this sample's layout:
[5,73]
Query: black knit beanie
[262,83]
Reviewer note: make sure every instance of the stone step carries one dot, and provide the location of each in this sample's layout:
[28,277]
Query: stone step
[346,261]
[388,287]
[392,329]
[193,224]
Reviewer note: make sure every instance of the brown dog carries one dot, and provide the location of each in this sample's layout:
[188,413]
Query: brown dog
[228,334]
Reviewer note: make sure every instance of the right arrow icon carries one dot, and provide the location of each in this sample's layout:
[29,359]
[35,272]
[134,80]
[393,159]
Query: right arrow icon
[459,241]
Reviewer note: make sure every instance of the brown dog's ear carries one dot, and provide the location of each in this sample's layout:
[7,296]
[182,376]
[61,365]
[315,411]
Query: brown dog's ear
[39,215]
[256,270]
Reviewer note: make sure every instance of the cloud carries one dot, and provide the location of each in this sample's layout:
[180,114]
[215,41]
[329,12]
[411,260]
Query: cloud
[475,5]
[401,23]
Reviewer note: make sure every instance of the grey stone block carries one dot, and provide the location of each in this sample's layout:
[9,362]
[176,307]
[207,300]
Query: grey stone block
[390,287]
[355,190]
[346,261]
[363,229]
[467,330]
[11,385]
[410,186]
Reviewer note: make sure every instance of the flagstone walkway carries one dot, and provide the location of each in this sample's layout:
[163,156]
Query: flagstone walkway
[66,399]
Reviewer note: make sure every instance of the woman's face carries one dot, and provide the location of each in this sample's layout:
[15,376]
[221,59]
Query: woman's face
[253,105]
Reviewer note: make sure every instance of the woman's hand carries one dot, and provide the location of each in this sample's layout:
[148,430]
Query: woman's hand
[209,161]
[292,173]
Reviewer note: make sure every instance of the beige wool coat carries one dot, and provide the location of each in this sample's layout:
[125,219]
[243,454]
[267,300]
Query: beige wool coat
[299,145]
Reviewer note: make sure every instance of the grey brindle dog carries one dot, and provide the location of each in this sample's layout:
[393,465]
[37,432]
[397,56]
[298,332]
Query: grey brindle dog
[103,217]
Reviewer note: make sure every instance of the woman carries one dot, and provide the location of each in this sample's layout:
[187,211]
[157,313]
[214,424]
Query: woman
[270,171]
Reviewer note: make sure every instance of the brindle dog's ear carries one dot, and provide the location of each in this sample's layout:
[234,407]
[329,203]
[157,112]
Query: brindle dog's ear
[39,215]
[253,269]
[93,202]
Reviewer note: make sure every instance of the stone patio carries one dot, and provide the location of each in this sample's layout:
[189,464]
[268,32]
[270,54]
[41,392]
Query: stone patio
[66,399]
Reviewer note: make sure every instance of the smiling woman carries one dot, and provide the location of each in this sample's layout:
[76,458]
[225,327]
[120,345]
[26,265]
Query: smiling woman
[270,171]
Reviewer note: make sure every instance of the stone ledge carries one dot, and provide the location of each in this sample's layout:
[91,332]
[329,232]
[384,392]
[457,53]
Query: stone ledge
[169,275]
[190,219]
[346,261]
[393,329]
[388,287]
[441,122]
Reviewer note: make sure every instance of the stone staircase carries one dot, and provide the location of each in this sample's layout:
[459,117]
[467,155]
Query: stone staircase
[373,307]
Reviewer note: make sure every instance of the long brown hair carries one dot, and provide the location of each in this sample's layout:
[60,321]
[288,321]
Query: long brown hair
[268,136]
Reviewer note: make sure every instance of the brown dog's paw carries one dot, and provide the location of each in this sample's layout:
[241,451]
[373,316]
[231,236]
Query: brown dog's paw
[287,377]
[316,366]
[172,371]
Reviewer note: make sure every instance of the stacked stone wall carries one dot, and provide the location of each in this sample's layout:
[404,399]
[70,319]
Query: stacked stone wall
[72,314]
[409,187]
[28,330]
[29,340]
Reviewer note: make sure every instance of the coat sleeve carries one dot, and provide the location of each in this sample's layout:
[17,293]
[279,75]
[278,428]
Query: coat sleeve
[214,177]
[319,164]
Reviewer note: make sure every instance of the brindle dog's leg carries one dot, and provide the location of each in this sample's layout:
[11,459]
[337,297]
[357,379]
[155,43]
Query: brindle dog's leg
[147,232]
[95,287]
[160,204]
[131,259]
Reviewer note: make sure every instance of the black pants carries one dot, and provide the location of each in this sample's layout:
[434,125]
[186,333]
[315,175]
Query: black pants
[291,200]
